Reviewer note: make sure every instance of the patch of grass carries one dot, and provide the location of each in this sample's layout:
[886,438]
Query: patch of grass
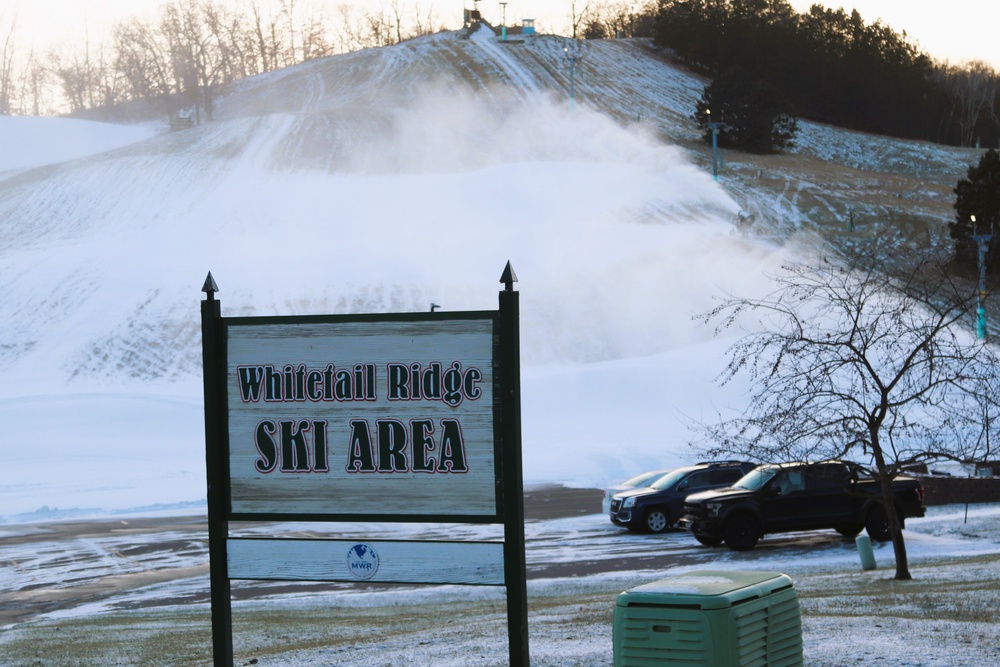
[125,638]
[955,601]
[969,592]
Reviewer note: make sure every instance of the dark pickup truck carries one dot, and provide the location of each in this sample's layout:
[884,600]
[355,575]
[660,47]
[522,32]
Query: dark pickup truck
[797,496]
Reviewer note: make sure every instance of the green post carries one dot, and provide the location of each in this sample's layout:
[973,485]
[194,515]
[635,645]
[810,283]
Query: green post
[715,149]
[983,242]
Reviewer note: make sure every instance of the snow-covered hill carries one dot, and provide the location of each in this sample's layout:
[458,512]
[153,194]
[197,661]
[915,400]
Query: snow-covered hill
[386,180]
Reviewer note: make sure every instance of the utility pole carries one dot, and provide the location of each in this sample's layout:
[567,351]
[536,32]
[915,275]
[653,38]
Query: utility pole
[715,144]
[503,20]
[983,243]
[573,58]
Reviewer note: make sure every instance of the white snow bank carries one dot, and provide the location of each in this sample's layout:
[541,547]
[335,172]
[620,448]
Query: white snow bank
[28,141]
[101,451]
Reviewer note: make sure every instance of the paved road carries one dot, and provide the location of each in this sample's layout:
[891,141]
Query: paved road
[53,566]
[50,566]
[557,502]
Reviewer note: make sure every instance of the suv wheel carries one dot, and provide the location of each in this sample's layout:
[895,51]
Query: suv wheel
[741,533]
[656,520]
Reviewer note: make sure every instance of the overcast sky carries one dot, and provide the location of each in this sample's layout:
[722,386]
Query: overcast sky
[954,30]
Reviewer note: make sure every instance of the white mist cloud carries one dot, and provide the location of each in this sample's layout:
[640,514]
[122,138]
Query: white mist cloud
[616,238]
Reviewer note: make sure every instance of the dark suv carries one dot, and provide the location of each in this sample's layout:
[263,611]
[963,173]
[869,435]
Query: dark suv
[656,508]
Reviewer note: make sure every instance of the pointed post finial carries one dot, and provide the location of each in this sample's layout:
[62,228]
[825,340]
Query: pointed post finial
[210,288]
[509,277]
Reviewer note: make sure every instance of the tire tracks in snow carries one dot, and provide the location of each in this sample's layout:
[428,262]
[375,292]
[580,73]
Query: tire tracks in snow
[518,76]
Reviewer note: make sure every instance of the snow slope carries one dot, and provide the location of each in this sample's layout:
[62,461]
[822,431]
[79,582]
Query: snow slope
[378,181]
[33,142]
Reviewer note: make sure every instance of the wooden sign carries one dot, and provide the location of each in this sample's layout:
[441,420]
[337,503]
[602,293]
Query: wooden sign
[338,417]
[403,417]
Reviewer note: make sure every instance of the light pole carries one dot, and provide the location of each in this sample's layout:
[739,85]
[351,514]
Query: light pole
[715,144]
[572,58]
[503,20]
[982,242]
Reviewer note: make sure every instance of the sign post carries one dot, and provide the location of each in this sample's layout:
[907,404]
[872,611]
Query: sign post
[218,477]
[401,417]
[510,408]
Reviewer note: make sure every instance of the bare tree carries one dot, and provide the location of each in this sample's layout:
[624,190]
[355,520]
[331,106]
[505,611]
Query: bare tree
[288,9]
[374,29]
[846,360]
[196,56]
[142,60]
[352,29]
[424,24]
[23,78]
[8,31]
[284,36]
[578,16]
[973,89]
[259,39]
[611,20]
[313,38]
[227,30]
[87,76]
[33,86]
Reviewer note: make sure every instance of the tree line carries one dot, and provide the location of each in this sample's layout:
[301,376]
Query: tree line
[835,68]
[191,48]
[830,65]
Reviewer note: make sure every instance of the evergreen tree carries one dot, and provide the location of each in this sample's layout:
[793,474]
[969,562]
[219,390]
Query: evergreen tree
[978,195]
[832,65]
[753,115]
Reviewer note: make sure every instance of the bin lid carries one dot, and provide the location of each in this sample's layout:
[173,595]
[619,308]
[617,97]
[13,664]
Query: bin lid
[705,589]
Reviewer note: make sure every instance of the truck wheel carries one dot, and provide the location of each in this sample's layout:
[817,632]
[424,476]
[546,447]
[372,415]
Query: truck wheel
[877,525]
[741,533]
[708,540]
[656,520]
[850,530]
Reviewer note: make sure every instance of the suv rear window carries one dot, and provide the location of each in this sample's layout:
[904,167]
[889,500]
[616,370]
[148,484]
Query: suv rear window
[725,476]
[697,480]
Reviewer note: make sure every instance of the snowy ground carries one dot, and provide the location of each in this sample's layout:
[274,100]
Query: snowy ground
[944,617]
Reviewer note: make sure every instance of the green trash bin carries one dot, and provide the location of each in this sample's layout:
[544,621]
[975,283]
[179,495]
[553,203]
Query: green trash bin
[710,618]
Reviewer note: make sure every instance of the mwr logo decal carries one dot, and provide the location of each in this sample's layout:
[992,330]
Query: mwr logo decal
[362,561]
